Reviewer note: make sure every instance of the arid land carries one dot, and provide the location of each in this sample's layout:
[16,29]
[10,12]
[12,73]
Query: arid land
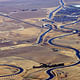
[18,46]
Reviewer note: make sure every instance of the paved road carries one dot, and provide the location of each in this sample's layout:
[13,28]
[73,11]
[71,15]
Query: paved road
[19,20]
[20,70]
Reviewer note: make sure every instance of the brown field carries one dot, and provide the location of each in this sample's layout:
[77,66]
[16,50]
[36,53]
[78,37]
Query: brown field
[18,42]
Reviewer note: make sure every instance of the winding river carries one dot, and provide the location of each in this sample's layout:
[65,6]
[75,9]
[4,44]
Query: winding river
[50,41]
[20,70]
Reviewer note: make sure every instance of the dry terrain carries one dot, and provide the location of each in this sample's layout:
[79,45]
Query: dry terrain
[18,44]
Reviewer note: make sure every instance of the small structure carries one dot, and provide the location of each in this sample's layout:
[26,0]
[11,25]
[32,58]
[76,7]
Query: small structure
[48,65]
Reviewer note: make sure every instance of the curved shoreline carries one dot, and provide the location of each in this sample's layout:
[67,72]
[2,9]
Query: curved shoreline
[76,51]
[20,70]
[50,41]
[41,36]
[74,31]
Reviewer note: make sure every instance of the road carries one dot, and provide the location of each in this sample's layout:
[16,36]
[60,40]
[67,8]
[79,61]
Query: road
[19,20]
[50,41]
